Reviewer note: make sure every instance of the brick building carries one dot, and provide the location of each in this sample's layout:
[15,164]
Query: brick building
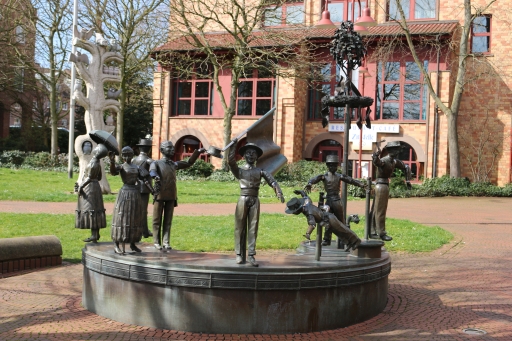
[402,111]
[17,40]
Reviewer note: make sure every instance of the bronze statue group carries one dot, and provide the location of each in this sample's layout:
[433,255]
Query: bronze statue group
[129,221]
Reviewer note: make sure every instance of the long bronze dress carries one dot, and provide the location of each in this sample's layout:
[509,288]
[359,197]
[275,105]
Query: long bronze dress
[90,212]
[127,220]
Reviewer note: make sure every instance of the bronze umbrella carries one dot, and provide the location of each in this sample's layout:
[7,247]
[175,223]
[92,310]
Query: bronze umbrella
[103,137]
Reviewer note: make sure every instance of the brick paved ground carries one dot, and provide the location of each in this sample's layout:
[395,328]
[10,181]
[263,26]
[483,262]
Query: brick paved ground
[433,296]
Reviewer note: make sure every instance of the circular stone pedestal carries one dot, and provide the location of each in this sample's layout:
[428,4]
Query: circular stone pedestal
[210,293]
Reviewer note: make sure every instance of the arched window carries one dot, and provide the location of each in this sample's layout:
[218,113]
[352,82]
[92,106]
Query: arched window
[327,147]
[408,156]
[186,146]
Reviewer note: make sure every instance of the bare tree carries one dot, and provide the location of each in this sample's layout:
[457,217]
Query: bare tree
[209,37]
[50,22]
[138,26]
[17,81]
[460,47]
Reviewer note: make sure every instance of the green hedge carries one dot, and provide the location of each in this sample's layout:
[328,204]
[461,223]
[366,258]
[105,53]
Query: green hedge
[36,161]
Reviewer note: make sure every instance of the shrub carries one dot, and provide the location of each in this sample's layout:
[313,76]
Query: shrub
[221,176]
[36,161]
[40,160]
[12,158]
[297,174]
[199,169]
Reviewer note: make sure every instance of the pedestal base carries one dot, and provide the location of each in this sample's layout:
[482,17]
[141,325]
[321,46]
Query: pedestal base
[210,293]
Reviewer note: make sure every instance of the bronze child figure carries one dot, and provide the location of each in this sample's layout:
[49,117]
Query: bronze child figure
[385,168]
[163,171]
[316,215]
[332,183]
[247,213]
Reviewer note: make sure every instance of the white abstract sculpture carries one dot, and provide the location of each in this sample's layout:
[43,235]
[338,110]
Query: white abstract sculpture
[93,72]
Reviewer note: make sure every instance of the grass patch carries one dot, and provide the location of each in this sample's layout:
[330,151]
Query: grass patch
[30,185]
[215,233]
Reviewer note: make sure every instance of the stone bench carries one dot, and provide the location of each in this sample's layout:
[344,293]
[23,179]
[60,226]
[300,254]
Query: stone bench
[23,253]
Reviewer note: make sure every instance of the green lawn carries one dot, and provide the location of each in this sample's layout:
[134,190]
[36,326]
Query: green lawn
[29,185]
[215,233]
[203,233]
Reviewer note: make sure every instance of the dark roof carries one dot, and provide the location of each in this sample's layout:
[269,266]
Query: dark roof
[263,38]
[281,37]
[431,27]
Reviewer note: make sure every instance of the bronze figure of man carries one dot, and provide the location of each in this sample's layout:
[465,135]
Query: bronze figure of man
[385,168]
[247,213]
[332,185]
[144,161]
[163,171]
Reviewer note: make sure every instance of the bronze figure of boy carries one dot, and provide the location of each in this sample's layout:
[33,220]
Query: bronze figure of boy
[316,215]
[163,171]
[385,168]
[332,185]
[247,213]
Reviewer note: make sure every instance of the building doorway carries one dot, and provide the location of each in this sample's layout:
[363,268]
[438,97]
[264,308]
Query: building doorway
[327,147]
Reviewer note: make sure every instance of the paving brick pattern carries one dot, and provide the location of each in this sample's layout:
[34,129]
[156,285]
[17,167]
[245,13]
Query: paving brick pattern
[432,296]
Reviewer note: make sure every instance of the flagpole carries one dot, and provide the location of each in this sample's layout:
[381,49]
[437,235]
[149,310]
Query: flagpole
[72,97]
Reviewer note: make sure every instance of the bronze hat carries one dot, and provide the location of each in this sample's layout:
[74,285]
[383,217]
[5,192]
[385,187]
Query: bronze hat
[294,205]
[393,144]
[258,150]
[332,159]
[145,143]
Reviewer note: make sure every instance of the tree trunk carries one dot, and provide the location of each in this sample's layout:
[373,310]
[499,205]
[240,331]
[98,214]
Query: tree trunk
[453,146]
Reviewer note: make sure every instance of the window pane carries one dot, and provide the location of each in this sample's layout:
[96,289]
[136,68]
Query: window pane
[412,111]
[393,11]
[314,104]
[390,111]
[424,9]
[326,89]
[340,74]
[412,71]
[184,107]
[262,106]
[424,104]
[273,17]
[392,72]
[325,73]
[184,89]
[245,89]
[203,89]
[391,92]
[336,10]
[295,14]
[480,44]
[201,107]
[338,113]
[412,92]
[482,25]
[264,89]
[356,10]
[244,107]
